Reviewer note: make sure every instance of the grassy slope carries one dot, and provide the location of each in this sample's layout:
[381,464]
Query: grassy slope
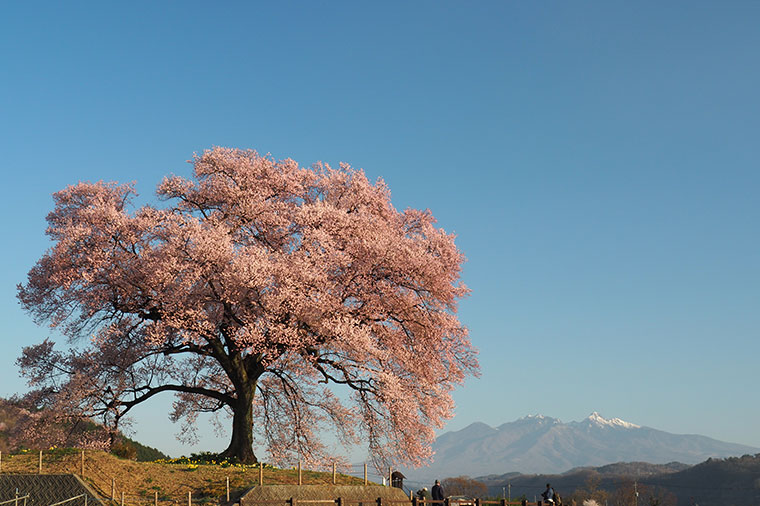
[140,480]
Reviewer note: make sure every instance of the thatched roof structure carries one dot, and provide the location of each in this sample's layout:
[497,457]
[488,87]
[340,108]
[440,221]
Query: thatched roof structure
[350,494]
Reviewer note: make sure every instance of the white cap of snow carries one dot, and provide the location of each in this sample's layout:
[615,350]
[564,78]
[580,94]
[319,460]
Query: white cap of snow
[598,419]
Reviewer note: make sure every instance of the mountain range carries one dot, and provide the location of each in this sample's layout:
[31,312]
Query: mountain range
[541,444]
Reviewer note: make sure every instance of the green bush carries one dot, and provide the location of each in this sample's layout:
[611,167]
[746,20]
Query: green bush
[124,450]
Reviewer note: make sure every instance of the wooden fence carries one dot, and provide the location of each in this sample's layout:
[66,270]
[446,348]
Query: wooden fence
[109,489]
[414,501]
[112,489]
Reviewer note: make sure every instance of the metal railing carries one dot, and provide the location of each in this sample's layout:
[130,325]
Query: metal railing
[71,499]
[16,500]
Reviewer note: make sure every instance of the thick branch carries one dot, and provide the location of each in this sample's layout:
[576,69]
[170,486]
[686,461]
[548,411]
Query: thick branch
[151,391]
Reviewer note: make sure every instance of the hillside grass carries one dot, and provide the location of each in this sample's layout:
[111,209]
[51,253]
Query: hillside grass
[171,478]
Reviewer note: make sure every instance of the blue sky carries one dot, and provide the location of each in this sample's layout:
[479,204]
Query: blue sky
[597,160]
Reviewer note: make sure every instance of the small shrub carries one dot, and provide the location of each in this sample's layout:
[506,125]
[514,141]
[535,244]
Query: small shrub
[124,450]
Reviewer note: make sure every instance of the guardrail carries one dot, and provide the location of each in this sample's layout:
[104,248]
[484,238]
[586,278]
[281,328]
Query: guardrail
[16,500]
[71,499]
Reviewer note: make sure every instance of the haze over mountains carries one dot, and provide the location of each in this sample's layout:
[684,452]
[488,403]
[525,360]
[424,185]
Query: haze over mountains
[541,444]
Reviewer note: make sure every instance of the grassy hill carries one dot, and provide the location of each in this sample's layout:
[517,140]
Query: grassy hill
[14,414]
[140,472]
[10,415]
[171,479]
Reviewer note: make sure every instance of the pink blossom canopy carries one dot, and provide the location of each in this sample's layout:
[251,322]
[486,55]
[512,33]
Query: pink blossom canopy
[295,299]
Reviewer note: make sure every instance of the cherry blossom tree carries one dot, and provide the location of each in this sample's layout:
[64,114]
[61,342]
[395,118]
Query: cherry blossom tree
[293,299]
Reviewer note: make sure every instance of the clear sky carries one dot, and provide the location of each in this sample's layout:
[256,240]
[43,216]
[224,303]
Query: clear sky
[597,160]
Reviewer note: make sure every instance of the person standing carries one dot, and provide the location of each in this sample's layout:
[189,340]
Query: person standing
[548,494]
[437,492]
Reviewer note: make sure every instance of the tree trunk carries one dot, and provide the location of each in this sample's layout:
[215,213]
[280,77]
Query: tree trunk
[241,445]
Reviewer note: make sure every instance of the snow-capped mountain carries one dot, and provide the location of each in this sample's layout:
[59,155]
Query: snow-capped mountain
[597,419]
[541,444]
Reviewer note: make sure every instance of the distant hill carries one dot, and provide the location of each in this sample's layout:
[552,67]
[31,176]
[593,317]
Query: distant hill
[636,469]
[607,477]
[734,481]
[725,482]
[540,444]
[13,417]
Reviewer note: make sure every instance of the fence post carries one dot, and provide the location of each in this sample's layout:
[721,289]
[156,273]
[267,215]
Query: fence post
[299,473]
[365,473]
[1,462]
[261,474]
[333,473]
[155,498]
[122,498]
[113,489]
[189,498]
[40,462]
[228,489]
[82,466]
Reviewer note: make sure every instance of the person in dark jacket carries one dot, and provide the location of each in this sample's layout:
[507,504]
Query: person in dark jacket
[548,494]
[437,491]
